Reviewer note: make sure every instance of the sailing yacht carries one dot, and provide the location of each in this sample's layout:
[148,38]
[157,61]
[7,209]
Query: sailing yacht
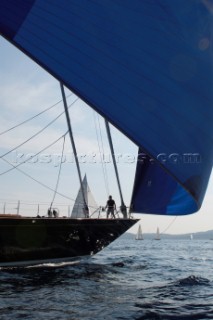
[141,72]
[157,234]
[34,240]
[139,235]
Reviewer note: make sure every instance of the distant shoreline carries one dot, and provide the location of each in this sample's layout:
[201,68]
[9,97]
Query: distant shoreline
[204,235]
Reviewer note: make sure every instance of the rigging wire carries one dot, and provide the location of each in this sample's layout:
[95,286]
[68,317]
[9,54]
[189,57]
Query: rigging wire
[37,133]
[34,179]
[16,167]
[33,117]
[39,182]
[99,146]
[32,156]
[169,225]
[59,173]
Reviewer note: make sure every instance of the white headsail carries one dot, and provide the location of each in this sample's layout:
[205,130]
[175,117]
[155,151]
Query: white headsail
[157,234]
[139,235]
[78,208]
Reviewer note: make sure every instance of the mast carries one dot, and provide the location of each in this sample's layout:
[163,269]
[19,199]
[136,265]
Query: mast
[123,206]
[74,149]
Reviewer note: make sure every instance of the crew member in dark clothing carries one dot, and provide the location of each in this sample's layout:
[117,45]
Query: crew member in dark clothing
[86,211]
[111,207]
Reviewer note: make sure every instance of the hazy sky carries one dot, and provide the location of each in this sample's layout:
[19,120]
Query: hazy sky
[26,90]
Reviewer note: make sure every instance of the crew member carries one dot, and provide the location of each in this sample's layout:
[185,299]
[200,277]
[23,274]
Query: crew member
[111,207]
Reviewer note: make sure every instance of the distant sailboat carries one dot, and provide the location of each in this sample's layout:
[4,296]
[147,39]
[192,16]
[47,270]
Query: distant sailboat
[157,234]
[191,237]
[78,210]
[139,235]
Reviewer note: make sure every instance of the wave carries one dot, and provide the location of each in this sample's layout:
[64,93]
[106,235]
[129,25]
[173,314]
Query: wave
[192,281]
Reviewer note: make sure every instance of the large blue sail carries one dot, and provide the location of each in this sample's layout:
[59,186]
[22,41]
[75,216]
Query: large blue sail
[155,191]
[145,65]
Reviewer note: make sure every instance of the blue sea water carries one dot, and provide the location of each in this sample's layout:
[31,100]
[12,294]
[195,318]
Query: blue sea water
[166,279]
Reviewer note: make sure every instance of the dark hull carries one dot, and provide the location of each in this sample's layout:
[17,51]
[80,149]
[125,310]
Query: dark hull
[32,240]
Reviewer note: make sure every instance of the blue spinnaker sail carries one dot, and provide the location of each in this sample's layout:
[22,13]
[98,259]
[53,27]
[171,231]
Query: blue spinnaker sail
[146,66]
[155,191]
